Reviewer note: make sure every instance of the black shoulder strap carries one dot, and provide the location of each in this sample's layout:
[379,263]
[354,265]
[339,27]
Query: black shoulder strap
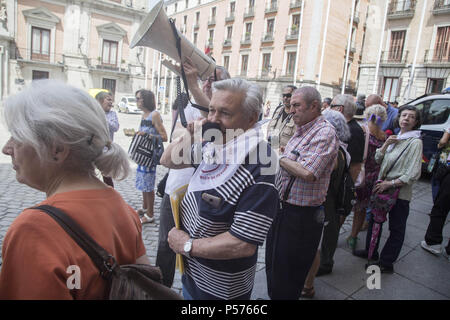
[183,75]
[101,258]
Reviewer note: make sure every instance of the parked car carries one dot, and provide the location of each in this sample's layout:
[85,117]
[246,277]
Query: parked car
[435,111]
[128,105]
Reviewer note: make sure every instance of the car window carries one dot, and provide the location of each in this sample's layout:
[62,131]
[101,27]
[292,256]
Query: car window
[132,100]
[124,100]
[434,111]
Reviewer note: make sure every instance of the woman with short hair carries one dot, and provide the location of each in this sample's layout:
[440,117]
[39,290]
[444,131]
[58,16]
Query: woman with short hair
[375,117]
[151,124]
[401,165]
[59,137]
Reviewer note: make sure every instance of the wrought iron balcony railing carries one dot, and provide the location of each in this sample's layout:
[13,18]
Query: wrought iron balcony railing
[441,7]
[399,9]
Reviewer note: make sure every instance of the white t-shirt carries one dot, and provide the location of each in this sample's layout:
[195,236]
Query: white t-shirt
[180,177]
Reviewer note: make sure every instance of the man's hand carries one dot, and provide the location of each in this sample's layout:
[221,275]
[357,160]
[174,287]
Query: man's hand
[191,72]
[177,239]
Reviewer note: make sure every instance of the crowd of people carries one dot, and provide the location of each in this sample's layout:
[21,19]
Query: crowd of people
[235,199]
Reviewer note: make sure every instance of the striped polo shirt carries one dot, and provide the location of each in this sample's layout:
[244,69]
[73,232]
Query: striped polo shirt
[249,201]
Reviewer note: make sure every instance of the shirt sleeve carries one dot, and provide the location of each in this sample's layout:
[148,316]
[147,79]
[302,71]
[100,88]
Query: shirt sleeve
[413,165]
[356,145]
[113,122]
[255,211]
[320,153]
[33,265]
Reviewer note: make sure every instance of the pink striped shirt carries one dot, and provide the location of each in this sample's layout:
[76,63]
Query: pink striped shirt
[317,147]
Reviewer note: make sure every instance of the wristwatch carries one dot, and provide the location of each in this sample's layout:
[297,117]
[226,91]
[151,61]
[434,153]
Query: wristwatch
[187,248]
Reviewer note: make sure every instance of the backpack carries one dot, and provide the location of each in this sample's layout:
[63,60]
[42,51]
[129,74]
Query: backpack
[125,282]
[346,196]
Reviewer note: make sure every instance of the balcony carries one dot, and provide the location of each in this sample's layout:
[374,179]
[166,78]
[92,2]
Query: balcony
[441,7]
[249,12]
[273,7]
[394,57]
[230,17]
[212,21]
[295,4]
[355,17]
[227,43]
[246,40]
[436,58]
[401,9]
[292,34]
[268,37]
[196,26]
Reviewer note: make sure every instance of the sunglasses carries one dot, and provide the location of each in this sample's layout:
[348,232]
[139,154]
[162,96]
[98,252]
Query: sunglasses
[287,95]
[336,106]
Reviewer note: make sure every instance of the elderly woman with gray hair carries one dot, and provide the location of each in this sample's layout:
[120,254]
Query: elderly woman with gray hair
[375,117]
[324,256]
[59,136]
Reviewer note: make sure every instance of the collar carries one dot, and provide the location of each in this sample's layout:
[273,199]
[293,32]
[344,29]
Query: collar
[301,130]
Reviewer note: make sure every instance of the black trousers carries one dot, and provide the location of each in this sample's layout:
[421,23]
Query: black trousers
[291,246]
[165,257]
[397,228]
[439,214]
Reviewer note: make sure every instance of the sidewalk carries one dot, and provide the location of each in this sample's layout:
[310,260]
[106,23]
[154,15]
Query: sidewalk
[418,274]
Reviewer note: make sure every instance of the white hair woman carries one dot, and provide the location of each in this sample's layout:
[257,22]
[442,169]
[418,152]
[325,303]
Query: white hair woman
[323,262]
[59,136]
[375,117]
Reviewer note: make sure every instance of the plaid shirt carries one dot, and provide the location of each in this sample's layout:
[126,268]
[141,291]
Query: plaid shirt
[317,146]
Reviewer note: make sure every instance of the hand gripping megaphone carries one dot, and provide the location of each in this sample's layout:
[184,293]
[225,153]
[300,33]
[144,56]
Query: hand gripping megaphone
[156,32]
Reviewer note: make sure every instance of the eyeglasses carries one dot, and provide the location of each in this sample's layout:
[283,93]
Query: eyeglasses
[287,95]
[336,106]
[213,79]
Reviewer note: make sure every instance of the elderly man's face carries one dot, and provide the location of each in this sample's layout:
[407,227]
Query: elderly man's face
[226,110]
[301,112]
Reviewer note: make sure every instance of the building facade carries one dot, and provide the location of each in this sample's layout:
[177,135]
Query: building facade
[407,50]
[279,42]
[82,42]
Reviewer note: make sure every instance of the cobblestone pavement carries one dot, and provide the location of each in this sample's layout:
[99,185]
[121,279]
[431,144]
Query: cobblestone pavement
[418,275]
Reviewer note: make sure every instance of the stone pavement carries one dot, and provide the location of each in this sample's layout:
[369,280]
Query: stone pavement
[418,274]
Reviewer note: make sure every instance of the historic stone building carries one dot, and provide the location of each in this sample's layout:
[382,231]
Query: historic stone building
[279,42]
[407,49]
[82,42]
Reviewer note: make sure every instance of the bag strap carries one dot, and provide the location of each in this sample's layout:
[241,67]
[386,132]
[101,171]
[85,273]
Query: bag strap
[104,262]
[183,75]
[392,166]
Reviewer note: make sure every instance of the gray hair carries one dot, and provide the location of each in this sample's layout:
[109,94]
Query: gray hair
[339,122]
[253,97]
[224,74]
[102,95]
[49,113]
[377,110]
[309,94]
[348,102]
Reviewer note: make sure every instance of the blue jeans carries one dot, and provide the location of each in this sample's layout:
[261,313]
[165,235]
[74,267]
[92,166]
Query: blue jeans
[186,294]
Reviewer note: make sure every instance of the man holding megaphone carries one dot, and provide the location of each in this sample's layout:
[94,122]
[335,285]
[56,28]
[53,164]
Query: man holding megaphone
[165,257]
[231,199]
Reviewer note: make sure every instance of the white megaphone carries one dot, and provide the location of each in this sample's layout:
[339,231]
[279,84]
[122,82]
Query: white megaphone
[156,32]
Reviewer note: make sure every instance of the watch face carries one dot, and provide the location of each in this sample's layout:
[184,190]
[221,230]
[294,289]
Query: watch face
[187,246]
